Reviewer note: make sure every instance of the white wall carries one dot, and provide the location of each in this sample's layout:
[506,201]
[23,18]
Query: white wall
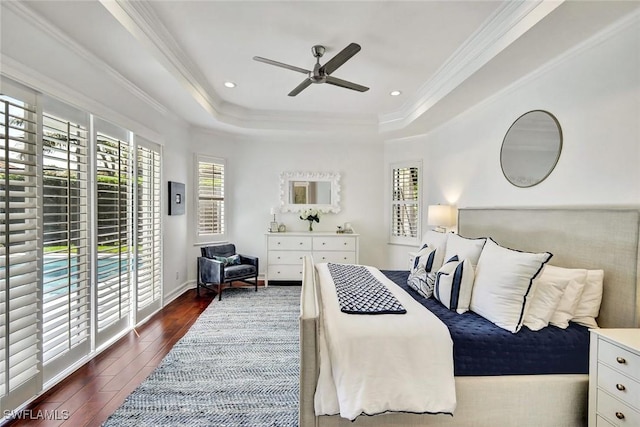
[254,166]
[595,94]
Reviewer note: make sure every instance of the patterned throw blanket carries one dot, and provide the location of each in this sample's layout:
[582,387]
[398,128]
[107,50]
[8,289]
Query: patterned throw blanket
[361,293]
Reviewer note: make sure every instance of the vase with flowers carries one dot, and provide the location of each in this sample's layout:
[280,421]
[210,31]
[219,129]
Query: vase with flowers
[311,215]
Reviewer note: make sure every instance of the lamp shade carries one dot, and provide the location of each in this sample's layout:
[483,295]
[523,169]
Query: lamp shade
[440,215]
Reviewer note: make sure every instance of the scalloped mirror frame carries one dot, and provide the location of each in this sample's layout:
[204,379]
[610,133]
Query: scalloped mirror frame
[287,177]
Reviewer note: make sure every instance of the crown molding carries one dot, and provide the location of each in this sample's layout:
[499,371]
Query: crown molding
[18,72]
[502,28]
[24,11]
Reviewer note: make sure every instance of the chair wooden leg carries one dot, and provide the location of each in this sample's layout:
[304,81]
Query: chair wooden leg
[219,291]
[256,283]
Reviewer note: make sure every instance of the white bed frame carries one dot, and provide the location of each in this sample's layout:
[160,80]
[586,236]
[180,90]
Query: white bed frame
[578,237]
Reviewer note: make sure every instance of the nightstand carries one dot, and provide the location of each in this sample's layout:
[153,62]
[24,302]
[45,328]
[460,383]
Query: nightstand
[614,377]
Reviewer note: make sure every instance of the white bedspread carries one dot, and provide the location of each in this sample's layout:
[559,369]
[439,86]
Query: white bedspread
[370,364]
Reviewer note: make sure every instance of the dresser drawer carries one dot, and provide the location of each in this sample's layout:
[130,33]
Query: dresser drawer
[618,385]
[290,243]
[285,272]
[287,257]
[335,256]
[334,243]
[601,422]
[619,359]
[616,412]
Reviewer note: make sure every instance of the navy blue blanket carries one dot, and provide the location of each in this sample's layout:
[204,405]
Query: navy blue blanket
[482,348]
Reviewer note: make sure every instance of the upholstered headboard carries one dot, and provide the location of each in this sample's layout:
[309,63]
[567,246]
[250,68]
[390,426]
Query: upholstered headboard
[577,237]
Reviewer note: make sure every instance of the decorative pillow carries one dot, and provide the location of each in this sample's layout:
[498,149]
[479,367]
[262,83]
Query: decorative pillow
[437,240]
[425,257]
[465,248]
[544,300]
[589,305]
[503,280]
[454,282]
[568,304]
[421,281]
[230,260]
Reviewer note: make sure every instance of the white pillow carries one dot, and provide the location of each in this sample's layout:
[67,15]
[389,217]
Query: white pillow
[567,306]
[464,248]
[544,299]
[503,280]
[424,258]
[421,282]
[589,305]
[454,282]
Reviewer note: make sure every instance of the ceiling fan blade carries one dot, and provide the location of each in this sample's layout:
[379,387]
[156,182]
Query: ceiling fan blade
[342,57]
[281,64]
[343,83]
[302,86]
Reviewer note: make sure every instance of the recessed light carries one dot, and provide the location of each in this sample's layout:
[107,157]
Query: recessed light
[395,93]
[229,84]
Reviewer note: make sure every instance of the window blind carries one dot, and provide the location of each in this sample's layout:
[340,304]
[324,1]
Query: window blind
[66,303]
[405,202]
[149,232]
[114,208]
[19,307]
[211,197]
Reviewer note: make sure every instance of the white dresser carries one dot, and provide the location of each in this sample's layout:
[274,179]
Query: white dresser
[285,251]
[614,378]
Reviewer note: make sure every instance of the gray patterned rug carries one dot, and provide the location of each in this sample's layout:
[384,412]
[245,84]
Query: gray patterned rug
[238,365]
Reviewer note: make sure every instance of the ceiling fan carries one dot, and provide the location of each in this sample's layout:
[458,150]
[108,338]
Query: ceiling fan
[321,73]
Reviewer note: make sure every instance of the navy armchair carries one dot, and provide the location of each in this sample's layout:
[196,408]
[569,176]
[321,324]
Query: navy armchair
[220,265]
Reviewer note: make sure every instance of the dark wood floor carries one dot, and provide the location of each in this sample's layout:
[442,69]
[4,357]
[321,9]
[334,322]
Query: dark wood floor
[97,389]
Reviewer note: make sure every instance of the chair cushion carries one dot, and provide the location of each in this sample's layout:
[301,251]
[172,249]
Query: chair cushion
[225,250]
[239,271]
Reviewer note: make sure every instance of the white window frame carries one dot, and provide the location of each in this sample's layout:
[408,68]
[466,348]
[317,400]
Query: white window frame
[201,238]
[402,240]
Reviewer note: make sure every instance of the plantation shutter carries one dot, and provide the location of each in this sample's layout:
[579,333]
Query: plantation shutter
[211,177]
[405,202]
[149,231]
[66,282]
[19,306]
[114,210]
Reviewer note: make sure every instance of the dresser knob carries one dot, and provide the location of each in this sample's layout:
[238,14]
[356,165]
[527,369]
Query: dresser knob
[300,243]
[324,243]
[278,242]
[345,243]
[621,387]
[621,360]
[620,415]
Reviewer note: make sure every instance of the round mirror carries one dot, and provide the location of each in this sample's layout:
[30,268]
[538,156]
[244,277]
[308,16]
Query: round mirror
[531,148]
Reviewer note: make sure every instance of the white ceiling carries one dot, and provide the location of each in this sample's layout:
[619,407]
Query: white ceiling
[443,55]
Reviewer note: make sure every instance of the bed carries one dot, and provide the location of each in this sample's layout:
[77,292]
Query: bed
[578,237]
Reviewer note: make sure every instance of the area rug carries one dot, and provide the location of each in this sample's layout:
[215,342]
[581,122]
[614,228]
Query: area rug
[238,365]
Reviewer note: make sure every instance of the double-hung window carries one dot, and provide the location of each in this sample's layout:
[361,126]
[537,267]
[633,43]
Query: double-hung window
[405,202]
[210,208]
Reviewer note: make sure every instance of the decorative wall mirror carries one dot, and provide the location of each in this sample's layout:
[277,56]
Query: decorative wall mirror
[306,190]
[531,148]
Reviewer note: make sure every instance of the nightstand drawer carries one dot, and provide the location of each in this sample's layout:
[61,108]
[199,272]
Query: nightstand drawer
[290,243]
[618,385]
[287,257]
[335,256]
[619,359]
[616,412]
[334,243]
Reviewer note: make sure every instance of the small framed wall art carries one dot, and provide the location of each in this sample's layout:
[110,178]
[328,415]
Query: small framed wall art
[176,198]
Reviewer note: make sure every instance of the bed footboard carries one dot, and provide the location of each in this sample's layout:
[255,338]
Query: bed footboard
[309,364]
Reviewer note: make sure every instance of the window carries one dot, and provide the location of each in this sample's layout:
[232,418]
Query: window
[19,255]
[149,231]
[405,203]
[210,187]
[114,209]
[66,301]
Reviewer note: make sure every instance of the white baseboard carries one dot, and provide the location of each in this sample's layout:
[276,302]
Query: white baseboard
[189,284]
